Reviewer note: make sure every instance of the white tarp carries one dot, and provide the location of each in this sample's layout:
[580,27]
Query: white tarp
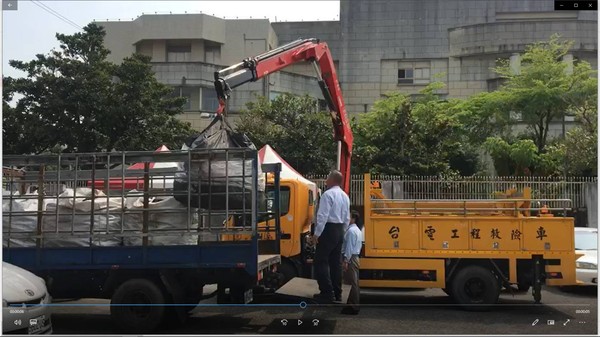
[167,214]
[74,216]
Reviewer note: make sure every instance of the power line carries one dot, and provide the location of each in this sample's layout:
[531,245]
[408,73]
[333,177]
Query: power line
[55,13]
[52,11]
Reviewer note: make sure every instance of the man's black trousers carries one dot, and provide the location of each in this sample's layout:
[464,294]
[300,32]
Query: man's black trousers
[328,260]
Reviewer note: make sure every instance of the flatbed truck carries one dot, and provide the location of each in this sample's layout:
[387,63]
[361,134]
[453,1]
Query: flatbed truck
[148,282]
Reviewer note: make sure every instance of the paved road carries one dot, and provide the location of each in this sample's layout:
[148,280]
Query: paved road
[384,312]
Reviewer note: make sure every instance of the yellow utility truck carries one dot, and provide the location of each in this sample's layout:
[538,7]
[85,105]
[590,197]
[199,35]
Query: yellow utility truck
[469,248]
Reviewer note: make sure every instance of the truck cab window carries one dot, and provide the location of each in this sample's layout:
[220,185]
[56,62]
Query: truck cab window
[284,197]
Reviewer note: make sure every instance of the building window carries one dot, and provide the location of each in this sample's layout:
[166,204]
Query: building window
[405,76]
[191,94]
[494,84]
[414,72]
[179,53]
[212,54]
[421,75]
[187,92]
[210,102]
[516,116]
[273,95]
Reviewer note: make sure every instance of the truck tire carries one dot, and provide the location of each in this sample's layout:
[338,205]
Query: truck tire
[475,288]
[138,319]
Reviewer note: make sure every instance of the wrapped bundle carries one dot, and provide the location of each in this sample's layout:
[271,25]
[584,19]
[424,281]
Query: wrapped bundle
[164,215]
[74,214]
[214,174]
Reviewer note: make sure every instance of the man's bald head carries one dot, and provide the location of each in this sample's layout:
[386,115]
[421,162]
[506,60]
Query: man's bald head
[335,178]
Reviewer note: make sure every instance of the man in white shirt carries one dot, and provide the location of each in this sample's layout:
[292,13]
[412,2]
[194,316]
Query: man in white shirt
[333,215]
[351,265]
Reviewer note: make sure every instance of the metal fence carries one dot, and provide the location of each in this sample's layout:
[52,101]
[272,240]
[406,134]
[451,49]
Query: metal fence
[477,187]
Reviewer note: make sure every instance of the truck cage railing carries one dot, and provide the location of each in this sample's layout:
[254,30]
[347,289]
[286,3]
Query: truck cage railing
[514,204]
[110,180]
[513,207]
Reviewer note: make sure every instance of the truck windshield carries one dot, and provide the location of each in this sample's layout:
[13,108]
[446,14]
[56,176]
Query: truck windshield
[586,240]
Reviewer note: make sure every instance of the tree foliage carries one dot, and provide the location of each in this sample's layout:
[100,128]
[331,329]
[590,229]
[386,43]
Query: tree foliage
[294,128]
[74,100]
[577,154]
[406,137]
[545,89]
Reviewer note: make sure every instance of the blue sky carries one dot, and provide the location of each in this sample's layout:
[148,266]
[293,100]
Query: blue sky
[30,30]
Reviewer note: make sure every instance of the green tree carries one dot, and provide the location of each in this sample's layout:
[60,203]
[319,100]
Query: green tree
[294,128]
[544,89]
[420,137]
[74,100]
[577,154]
[484,115]
[516,157]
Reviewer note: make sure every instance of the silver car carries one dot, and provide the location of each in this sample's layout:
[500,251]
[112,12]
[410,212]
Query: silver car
[24,302]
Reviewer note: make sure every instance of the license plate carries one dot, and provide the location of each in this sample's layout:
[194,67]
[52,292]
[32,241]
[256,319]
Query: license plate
[37,324]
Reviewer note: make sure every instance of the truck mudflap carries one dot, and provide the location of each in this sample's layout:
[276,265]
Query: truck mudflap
[301,290]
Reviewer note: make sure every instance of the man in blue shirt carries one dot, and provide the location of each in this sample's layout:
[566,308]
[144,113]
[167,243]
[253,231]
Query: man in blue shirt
[351,265]
[333,215]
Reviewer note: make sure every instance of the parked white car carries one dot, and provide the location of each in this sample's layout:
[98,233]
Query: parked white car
[24,296]
[586,243]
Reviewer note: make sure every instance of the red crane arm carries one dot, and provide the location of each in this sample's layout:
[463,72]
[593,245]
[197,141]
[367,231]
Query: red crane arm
[255,68]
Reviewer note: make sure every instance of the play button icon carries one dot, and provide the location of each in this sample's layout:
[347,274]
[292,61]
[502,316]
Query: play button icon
[299,322]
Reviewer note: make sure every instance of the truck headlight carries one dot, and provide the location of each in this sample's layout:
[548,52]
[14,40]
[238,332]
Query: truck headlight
[586,265]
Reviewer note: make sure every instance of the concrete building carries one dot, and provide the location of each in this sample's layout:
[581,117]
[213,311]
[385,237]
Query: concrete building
[388,45]
[379,46]
[187,49]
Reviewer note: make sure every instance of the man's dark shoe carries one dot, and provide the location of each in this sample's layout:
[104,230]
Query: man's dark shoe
[349,311]
[323,298]
[338,299]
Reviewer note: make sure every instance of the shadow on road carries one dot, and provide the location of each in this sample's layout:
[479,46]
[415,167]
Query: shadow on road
[580,291]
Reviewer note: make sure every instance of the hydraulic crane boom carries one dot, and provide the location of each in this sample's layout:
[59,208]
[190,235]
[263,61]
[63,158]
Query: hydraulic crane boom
[255,68]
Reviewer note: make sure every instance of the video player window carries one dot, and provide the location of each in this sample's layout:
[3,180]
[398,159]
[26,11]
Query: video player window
[436,164]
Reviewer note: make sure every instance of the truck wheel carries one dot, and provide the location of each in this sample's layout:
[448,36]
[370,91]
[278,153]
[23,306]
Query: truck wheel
[138,318]
[475,288]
